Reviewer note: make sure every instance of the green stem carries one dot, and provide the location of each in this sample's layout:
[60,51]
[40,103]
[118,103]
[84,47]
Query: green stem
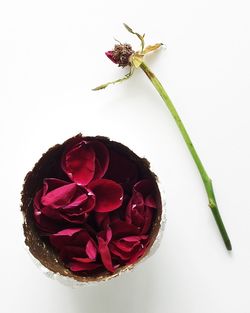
[206,180]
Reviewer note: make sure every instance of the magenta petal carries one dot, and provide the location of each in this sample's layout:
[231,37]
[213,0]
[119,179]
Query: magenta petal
[67,232]
[121,169]
[43,223]
[102,219]
[134,238]
[108,235]
[59,197]
[37,206]
[101,158]
[121,229]
[91,250]
[77,201]
[147,189]
[63,237]
[77,266]
[109,195]
[117,252]
[81,238]
[150,202]
[50,184]
[68,252]
[147,220]
[138,254]
[144,186]
[83,260]
[79,163]
[105,254]
[126,247]
[51,213]
[110,55]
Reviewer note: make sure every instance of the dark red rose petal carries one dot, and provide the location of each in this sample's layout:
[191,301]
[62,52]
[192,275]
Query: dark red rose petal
[79,163]
[104,238]
[120,255]
[109,195]
[126,247]
[105,255]
[81,264]
[147,189]
[140,209]
[50,184]
[63,237]
[110,55]
[68,252]
[150,202]
[59,197]
[81,238]
[102,219]
[91,250]
[43,223]
[86,161]
[121,169]
[121,229]
[134,238]
[139,253]
[148,217]
[130,248]
[101,158]
[66,203]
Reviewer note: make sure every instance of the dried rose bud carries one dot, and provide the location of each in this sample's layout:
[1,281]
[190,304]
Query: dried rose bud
[121,54]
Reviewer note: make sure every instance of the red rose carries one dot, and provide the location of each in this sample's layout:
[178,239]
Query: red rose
[59,203]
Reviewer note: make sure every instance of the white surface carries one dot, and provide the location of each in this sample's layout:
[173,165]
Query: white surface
[51,55]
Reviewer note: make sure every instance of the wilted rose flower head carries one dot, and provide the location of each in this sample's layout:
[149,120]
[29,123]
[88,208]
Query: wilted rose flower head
[120,54]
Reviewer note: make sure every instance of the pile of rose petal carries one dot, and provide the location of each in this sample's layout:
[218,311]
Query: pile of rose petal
[100,214]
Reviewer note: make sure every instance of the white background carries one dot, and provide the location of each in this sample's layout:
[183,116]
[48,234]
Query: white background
[51,55]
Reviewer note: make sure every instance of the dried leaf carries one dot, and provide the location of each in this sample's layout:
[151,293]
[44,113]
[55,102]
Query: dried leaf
[152,48]
[127,76]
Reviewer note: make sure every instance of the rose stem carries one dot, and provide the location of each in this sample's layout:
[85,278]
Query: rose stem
[206,180]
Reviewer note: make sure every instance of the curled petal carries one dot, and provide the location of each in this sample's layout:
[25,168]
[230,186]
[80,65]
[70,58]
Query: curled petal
[122,169]
[104,250]
[102,219]
[140,209]
[146,188]
[79,163]
[63,237]
[121,229]
[91,250]
[139,253]
[110,55]
[43,223]
[59,203]
[83,264]
[148,217]
[58,197]
[129,249]
[101,158]
[134,238]
[109,195]
[86,161]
